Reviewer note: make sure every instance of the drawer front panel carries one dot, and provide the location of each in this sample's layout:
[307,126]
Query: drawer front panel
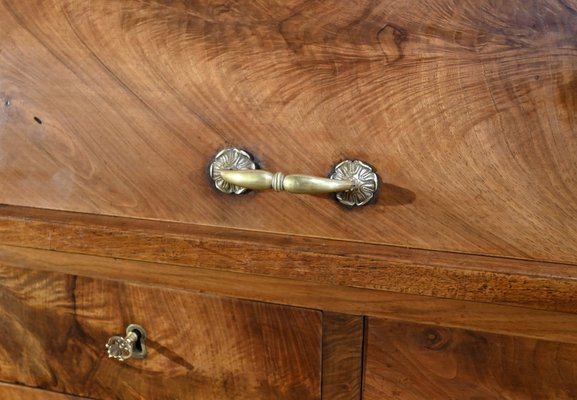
[13,392]
[54,328]
[466,110]
[414,361]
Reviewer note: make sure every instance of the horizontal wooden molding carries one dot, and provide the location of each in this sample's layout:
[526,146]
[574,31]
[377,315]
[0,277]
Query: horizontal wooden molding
[510,320]
[532,284]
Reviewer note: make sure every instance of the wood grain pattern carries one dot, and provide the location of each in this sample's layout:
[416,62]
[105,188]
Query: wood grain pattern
[532,284]
[343,338]
[414,361]
[518,321]
[13,392]
[466,108]
[200,347]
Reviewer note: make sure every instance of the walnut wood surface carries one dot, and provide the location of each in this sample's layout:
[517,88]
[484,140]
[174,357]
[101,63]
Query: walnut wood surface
[540,285]
[466,108]
[13,392]
[343,337]
[412,362]
[54,328]
[518,321]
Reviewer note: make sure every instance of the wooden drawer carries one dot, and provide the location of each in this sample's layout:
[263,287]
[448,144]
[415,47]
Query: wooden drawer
[467,111]
[54,328]
[414,361]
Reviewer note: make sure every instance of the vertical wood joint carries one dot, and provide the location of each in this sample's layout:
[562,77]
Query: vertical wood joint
[342,356]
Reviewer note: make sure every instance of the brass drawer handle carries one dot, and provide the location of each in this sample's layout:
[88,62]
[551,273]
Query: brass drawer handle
[132,345]
[234,171]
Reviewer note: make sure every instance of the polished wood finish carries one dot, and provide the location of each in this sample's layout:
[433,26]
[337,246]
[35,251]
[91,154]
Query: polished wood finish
[55,327]
[13,392]
[465,267]
[540,285]
[466,109]
[409,361]
[343,338]
[517,321]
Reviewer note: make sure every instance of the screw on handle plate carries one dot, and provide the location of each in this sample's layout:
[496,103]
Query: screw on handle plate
[132,345]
